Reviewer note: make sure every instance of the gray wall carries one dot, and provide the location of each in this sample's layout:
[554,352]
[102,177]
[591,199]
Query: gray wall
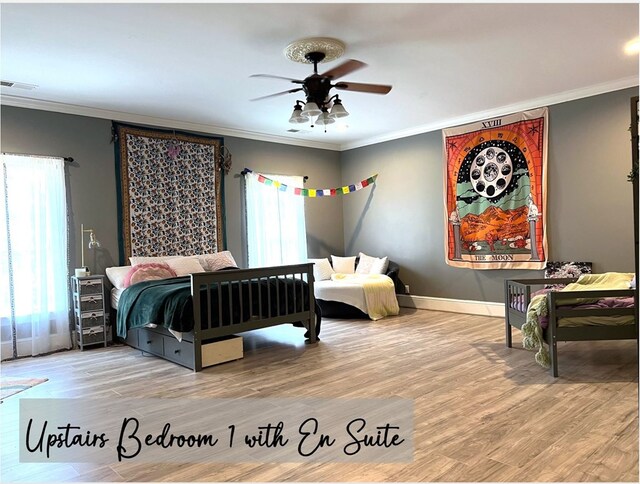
[590,213]
[323,216]
[402,215]
[91,179]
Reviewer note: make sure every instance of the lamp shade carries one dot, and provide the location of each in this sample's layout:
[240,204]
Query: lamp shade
[325,119]
[338,110]
[297,116]
[311,109]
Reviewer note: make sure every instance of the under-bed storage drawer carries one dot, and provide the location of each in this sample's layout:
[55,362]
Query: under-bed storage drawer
[222,350]
[179,352]
[150,341]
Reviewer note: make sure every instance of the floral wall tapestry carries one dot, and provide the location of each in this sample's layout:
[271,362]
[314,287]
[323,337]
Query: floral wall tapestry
[495,192]
[170,192]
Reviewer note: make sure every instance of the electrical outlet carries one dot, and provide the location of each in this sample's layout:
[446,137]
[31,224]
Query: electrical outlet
[406,289]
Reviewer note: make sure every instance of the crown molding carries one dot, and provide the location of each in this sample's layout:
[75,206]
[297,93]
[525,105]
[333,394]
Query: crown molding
[562,97]
[23,102]
[572,95]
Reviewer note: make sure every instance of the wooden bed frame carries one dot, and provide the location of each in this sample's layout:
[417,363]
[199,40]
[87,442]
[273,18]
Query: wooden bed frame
[188,352]
[520,290]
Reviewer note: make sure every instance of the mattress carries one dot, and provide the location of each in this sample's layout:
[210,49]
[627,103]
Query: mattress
[115,297]
[351,294]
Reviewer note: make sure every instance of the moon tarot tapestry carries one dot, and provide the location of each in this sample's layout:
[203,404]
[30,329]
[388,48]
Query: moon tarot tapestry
[495,192]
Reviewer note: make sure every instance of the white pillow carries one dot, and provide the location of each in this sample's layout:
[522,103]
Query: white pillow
[380,266]
[116,275]
[322,269]
[183,266]
[365,263]
[151,260]
[344,265]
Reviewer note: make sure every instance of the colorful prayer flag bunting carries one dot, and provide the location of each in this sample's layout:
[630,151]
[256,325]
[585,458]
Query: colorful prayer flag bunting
[313,192]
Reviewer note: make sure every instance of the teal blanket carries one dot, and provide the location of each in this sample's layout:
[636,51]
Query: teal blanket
[168,302]
[165,303]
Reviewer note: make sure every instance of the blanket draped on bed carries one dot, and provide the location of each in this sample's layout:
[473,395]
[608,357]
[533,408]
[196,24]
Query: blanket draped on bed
[168,303]
[379,293]
[532,337]
[165,303]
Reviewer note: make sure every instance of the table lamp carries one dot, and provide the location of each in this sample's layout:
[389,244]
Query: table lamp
[93,244]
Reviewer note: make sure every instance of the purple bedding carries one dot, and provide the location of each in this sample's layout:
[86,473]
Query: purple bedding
[518,303]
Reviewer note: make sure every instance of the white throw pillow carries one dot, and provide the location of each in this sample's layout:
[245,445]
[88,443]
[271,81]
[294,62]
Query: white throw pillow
[344,265]
[116,275]
[364,263]
[183,266]
[322,269]
[379,266]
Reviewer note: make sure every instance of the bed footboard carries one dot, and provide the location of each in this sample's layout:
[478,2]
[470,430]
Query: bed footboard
[252,299]
[517,296]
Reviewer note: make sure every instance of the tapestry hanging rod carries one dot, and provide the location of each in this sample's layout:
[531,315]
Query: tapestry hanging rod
[68,159]
[247,170]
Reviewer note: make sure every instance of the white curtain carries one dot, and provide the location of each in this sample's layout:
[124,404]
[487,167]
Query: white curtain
[276,232]
[34,300]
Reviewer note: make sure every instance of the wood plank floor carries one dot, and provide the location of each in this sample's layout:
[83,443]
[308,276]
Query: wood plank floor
[483,412]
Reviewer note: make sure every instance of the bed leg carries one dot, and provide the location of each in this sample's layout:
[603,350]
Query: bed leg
[507,325]
[313,330]
[553,353]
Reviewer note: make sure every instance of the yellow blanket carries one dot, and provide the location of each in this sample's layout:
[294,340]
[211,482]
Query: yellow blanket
[379,293]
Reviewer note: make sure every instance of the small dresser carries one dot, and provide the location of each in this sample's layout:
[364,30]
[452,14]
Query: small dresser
[89,310]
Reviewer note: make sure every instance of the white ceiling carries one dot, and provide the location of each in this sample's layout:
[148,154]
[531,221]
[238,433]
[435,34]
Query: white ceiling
[188,65]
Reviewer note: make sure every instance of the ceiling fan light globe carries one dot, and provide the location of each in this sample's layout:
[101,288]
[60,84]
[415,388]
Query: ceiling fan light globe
[338,111]
[298,119]
[311,109]
[325,119]
[296,116]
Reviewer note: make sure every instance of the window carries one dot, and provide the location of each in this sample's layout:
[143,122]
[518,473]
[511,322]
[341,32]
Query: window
[276,231]
[34,304]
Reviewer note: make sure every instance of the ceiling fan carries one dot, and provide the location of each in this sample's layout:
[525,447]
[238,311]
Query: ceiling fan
[317,90]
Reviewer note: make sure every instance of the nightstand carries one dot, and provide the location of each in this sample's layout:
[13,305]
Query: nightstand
[89,310]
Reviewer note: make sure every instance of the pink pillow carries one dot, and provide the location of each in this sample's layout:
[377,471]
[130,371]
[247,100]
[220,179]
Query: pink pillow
[148,272]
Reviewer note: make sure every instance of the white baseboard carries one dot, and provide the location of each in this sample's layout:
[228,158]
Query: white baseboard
[480,308]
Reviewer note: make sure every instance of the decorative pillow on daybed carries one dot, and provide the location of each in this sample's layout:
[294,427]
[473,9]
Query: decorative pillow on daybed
[343,265]
[322,269]
[148,272]
[218,261]
[371,265]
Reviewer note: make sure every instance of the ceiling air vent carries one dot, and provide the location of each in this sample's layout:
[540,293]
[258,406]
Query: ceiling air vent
[293,130]
[18,85]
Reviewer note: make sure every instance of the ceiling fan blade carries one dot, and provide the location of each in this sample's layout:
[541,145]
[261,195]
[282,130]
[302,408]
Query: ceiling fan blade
[344,69]
[358,86]
[277,94]
[269,76]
